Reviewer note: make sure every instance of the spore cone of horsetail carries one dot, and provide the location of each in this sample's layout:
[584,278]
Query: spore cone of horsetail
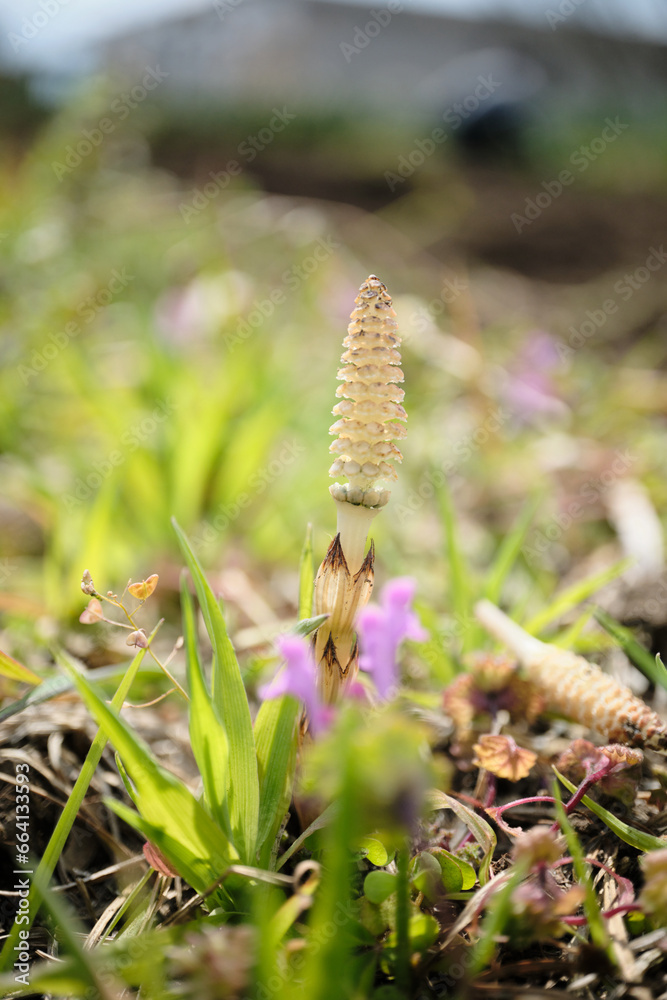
[577,689]
[371,403]
[366,428]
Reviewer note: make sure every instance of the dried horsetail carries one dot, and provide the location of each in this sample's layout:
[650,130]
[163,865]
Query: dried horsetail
[366,429]
[577,689]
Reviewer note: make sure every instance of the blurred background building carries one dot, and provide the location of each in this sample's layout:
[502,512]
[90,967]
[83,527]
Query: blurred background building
[410,58]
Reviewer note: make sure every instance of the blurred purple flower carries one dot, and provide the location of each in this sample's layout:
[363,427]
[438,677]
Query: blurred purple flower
[298,678]
[382,629]
[531,390]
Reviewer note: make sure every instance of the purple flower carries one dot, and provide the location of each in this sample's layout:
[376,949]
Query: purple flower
[531,391]
[382,629]
[298,678]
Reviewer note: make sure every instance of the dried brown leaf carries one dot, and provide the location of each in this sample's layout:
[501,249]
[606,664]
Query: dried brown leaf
[501,756]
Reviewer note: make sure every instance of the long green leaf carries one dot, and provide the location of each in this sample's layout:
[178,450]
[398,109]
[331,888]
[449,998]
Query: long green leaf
[9,667]
[181,855]
[318,824]
[58,838]
[629,834]
[574,595]
[185,827]
[509,551]
[596,924]
[654,670]
[84,968]
[571,637]
[276,737]
[229,696]
[498,913]
[60,684]
[459,584]
[306,576]
[207,732]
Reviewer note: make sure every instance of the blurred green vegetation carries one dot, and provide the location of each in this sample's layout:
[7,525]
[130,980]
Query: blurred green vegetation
[148,372]
[170,336]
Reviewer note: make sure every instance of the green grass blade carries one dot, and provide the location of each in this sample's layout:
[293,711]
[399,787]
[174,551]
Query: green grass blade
[569,638]
[9,667]
[628,834]
[306,576]
[207,732]
[437,652]
[60,684]
[229,696]
[134,909]
[459,582]
[499,912]
[509,551]
[641,657]
[184,828]
[58,838]
[596,924]
[196,871]
[50,688]
[318,824]
[291,909]
[83,973]
[276,737]
[573,596]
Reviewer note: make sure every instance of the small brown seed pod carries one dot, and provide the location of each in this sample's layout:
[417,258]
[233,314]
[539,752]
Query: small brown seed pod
[578,689]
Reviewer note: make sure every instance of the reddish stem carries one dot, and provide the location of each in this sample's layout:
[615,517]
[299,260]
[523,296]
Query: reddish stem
[590,779]
[607,914]
[513,831]
[625,885]
[577,796]
[625,908]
